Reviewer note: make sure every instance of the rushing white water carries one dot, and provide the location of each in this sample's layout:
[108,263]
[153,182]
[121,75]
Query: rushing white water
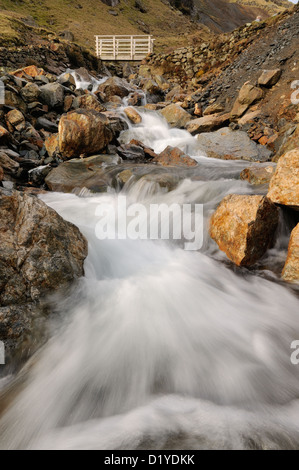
[87,81]
[154,132]
[161,348]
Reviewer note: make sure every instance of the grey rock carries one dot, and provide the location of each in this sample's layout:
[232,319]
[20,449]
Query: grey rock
[232,145]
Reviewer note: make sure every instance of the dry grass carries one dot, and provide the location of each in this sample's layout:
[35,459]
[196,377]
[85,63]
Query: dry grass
[168,26]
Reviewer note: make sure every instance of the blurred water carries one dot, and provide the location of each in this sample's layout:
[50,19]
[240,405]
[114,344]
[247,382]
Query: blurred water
[162,348]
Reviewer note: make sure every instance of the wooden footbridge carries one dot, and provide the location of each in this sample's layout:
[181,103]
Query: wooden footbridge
[124,47]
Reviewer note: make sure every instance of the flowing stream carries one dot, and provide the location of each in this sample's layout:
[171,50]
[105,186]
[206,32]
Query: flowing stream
[162,348]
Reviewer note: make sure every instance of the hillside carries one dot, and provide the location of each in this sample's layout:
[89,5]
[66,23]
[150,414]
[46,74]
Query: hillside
[88,18]
[223,15]
[172,24]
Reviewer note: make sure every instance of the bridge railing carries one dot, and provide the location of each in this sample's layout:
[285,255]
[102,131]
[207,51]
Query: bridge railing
[124,47]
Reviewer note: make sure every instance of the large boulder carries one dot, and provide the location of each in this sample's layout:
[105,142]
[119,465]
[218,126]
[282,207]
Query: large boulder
[114,86]
[207,123]
[248,95]
[40,253]
[90,173]
[173,156]
[175,116]
[232,145]
[83,132]
[291,268]
[52,94]
[284,186]
[244,227]
[88,101]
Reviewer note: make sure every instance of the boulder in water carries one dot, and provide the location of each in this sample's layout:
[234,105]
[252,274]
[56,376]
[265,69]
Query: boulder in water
[83,132]
[257,175]
[291,268]
[90,173]
[114,86]
[284,186]
[173,156]
[244,227]
[175,116]
[39,253]
[133,115]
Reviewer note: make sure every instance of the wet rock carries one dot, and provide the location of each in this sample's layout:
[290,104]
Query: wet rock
[244,227]
[124,176]
[3,133]
[83,132]
[232,145]
[284,186]
[269,77]
[37,175]
[88,101]
[164,181]
[1,174]
[248,95]
[207,123]
[257,175]
[76,174]
[291,268]
[131,152]
[133,115]
[52,94]
[39,253]
[115,86]
[176,116]
[68,80]
[173,156]
[135,99]
[148,152]
[15,120]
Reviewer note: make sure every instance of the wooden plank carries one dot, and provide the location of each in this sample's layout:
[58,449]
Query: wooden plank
[123,47]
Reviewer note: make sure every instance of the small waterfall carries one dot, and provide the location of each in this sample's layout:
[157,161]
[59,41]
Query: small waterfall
[158,347]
